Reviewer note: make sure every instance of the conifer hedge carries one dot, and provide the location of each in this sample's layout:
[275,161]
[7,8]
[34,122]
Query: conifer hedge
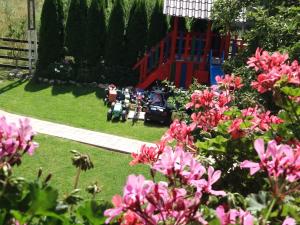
[136,32]
[158,27]
[92,41]
[51,36]
[96,32]
[114,51]
[76,30]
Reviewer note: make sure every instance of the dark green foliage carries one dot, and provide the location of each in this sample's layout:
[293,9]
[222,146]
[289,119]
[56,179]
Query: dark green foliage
[225,13]
[96,32]
[76,29]
[95,40]
[51,35]
[273,29]
[294,51]
[199,25]
[181,24]
[114,52]
[158,25]
[136,32]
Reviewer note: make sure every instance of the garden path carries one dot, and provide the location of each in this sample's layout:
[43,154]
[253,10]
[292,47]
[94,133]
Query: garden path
[107,141]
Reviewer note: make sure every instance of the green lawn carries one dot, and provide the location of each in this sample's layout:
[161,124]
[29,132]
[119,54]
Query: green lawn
[111,168]
[76,106]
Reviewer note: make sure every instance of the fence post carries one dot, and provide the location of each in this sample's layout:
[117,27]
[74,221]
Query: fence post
[32,35]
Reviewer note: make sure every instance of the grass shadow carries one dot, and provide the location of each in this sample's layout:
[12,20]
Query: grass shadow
[100,93]
[80,91]
[34,86]
[155,124]
[12,85]
[61,89]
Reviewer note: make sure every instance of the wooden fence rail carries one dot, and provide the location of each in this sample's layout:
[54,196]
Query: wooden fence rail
[7,44]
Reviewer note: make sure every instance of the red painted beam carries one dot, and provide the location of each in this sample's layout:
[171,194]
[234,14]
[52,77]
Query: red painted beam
[174,38]
[161,52]
[227,45]
[207,46]
[178,73]
[189,74]
[187,46]
[145,72]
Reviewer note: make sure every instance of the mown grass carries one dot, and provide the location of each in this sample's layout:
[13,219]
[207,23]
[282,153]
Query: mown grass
[76,106]
[53,155]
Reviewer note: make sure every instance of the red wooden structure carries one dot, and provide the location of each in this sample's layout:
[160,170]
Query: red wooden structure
[180,56]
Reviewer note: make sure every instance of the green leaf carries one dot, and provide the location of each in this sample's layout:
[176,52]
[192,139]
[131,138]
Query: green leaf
[290,209]
[43,199]
[92,212]
[216,144]
[291,91]
[233,112]
[246,124]
[2,216]
[22,218]
[257,202]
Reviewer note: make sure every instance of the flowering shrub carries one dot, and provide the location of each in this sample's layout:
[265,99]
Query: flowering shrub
[24,202]
[273,68]
[217,135]
[15,141]
[174,202]
[277,160]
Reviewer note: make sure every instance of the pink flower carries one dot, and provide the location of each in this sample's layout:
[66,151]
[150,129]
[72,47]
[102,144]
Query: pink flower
[254,167]
[273,68]
[230,82]
[131,218]
[181,132]
[147,155]
[235,129]
[226,217]
[177,202]
[246,218]
[213,177]
[209,119]
[15,140]
[289,221]
[201,99]
[114,212]
[172,162]
[276,160]
[231,217]
[135,190]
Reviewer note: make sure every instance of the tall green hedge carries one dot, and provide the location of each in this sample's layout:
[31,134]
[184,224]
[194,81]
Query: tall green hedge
[182,26]
[96,32]
[199,25]
[76,29]
[136,32]
[114,51]
[51,35]
[158,25]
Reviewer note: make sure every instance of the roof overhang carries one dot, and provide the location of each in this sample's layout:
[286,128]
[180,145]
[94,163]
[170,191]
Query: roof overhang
[200,9]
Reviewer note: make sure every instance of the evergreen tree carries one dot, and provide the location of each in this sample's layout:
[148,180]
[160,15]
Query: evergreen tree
[76,30]
[181,24]
[199,25]
[51,35]
[158,25]
[96,32]
[114,51]
[136,32]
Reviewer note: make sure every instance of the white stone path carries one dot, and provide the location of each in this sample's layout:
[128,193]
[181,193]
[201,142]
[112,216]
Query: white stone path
[107,141]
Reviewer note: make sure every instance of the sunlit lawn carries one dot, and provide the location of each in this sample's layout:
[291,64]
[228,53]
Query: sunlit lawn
[110,168]
[76,106]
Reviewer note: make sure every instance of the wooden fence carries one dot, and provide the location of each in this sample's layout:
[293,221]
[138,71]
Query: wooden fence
[14,53]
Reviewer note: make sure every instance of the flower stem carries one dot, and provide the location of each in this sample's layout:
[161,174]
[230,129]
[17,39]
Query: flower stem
[269,211]
[77,178]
